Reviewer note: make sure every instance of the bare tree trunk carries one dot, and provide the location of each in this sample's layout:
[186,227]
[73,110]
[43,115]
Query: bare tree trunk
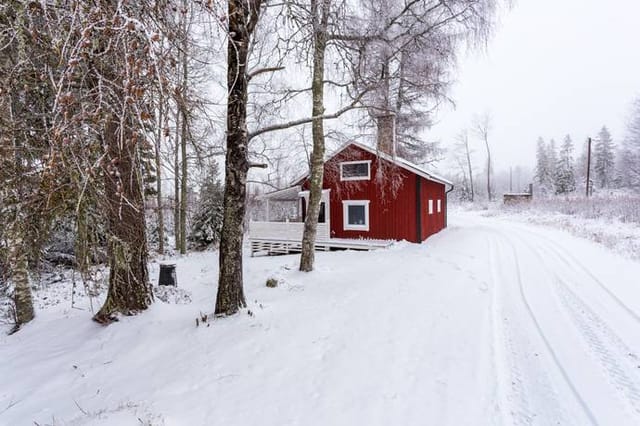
[17,243]
[320,10]
[482,128]
[486,143]
[243,16]
[176,183]
[466,147]
[22,299]
[159,209]
[129,287]
[182,103]
[183,183]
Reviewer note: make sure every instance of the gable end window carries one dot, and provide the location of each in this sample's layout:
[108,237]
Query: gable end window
[356,215]
[355,170]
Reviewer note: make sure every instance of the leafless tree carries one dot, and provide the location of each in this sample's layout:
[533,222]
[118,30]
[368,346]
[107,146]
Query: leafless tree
[482,129]
[463,157]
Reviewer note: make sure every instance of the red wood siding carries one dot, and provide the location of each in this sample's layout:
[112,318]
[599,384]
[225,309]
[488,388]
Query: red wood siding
[432,223]
[392,199]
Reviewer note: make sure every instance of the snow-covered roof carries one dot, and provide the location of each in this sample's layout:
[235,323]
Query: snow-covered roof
[286,194]
[401,162]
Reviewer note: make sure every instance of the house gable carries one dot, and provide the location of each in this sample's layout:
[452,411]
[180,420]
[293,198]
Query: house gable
[397,161]
[387,202]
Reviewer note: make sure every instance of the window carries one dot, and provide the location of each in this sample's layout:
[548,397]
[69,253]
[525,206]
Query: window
[356,215]
[430,206]
[439,206]
[355,170]
[322,215]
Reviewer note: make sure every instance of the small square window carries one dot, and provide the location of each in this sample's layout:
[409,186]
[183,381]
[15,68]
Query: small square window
[355,170]
[356,215]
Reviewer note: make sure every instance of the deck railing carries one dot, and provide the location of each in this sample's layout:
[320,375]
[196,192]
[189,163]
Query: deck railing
[290,231]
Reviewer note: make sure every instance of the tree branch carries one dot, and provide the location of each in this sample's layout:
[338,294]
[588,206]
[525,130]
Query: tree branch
[259,71]
[299,122]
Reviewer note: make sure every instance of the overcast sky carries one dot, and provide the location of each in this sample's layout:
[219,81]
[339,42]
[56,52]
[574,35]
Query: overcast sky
[552,67]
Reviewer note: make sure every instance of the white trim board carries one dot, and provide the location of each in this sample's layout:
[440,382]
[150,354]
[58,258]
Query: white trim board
[345,163]
[345,215]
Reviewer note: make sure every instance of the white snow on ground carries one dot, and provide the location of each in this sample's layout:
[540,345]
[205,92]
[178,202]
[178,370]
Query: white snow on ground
[611,221]
[490,322]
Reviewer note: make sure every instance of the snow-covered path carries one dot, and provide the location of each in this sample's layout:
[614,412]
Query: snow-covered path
[566,340]
[487,323]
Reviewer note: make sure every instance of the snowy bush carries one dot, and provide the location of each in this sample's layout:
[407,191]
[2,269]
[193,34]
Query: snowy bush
[624,208]
[172,295]
[612,220]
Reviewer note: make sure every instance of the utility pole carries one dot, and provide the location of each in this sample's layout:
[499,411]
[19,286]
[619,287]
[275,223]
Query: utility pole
[588,165]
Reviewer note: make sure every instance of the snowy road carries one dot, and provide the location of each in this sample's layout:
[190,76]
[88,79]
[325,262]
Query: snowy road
[488,323]
[559,331]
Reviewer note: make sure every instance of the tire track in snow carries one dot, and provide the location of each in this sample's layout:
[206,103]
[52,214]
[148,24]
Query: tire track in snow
[522,370]
[600,338]
[545,339]
[498,339]
[619,368]
[574,264]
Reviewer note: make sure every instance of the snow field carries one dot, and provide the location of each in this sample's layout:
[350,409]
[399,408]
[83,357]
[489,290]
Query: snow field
[488,323]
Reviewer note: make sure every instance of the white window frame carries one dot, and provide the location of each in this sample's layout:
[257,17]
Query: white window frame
[439,206]
[345,215]
[367,162]
[430,208]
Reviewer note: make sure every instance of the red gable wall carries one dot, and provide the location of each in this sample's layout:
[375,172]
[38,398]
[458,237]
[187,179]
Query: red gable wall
[392,196]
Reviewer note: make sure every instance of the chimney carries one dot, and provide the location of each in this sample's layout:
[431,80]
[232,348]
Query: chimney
[386,137]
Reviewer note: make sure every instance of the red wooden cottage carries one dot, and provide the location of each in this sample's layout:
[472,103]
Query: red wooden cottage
[369,199]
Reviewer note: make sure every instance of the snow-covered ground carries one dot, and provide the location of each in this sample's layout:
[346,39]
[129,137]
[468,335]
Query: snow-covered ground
[610,220]
[491,322]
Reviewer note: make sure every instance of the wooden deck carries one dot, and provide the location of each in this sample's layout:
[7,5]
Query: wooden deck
[286,237]
[275,246]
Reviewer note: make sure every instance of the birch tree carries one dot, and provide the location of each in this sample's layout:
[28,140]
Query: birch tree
[482,128]
[320,20]
[463,157]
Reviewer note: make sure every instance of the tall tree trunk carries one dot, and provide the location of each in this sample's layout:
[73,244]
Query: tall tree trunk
[486,142]
[466,147]
[19,275]
[176,183]
[19,218]
[183,183]
[320,10]
[129,287]
[243,17]
[159,209]
[184,132]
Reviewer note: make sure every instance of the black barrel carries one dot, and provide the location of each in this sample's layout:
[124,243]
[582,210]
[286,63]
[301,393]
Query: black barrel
[168,275]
